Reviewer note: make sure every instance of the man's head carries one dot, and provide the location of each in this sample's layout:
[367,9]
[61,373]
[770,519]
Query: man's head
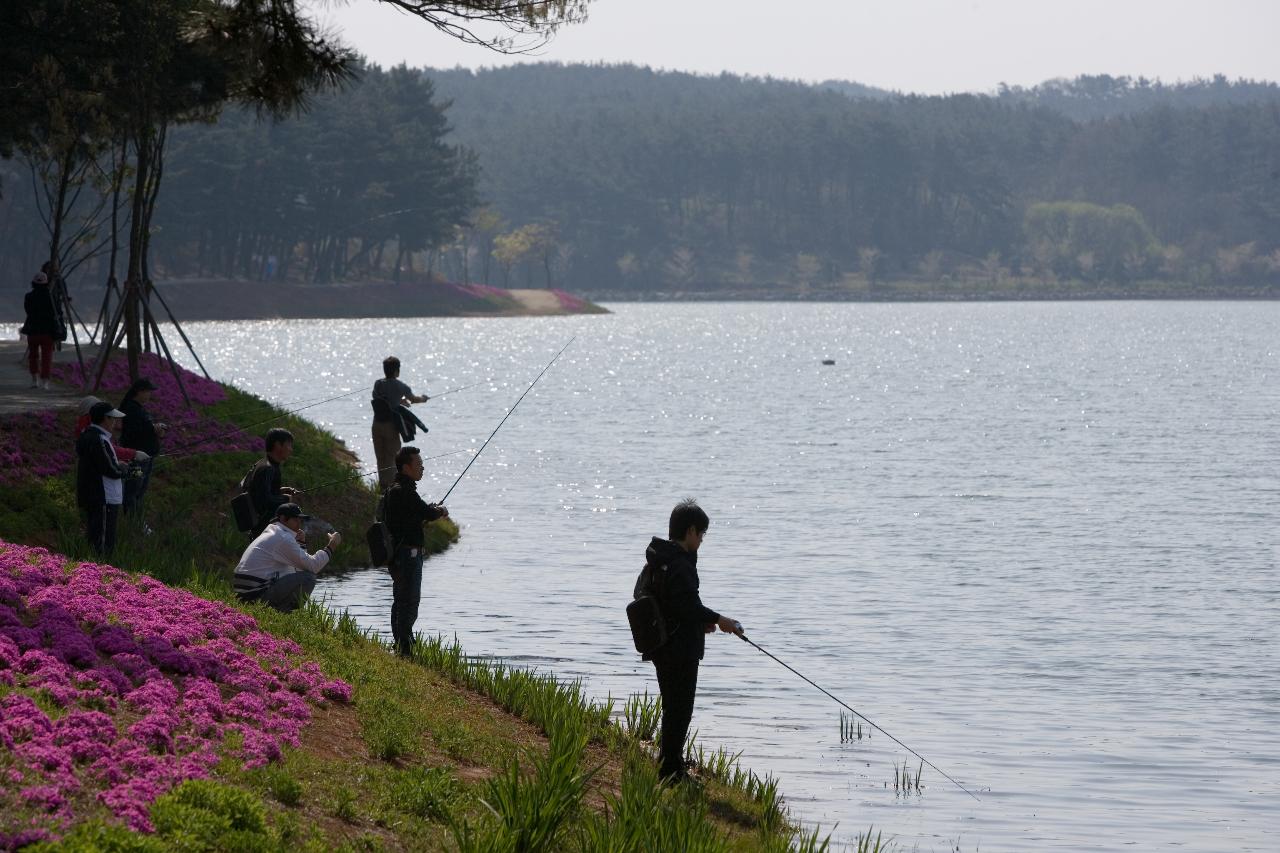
[104,415]
[140,390]
[290,515]
[409,463]
[688,524]
[279,444]
[391,367]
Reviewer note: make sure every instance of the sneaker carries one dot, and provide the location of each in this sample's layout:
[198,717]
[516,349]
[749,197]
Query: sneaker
[44,383]
[35,383]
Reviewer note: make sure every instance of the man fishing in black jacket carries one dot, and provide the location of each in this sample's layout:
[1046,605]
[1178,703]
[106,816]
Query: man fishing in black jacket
[675,565]
[264,480]
[405,513]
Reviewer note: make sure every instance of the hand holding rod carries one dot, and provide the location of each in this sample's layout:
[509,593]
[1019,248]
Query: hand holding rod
[859,714]
[504,420]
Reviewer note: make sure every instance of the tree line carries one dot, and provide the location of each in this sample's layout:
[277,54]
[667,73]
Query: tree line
[617,179]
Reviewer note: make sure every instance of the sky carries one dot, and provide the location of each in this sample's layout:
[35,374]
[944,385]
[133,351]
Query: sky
[925,46]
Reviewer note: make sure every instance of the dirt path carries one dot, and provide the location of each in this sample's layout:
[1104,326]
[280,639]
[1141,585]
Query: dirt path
[16,393]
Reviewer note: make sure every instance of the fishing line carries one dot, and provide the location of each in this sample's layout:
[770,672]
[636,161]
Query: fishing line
[378,471]
[504,420]
[863,716]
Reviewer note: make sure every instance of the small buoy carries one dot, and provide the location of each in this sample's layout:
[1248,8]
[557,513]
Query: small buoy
[828,361]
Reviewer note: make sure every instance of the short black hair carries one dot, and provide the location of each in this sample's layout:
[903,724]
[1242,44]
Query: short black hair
[686,514]
[278,436]
[391,367]
[404,456]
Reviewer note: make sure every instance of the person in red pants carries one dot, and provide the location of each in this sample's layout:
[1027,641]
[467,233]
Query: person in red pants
[41,329]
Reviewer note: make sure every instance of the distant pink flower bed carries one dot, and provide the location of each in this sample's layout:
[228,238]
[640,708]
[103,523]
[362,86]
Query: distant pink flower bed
[149,682]
[569,302]
[42,444]
[482,291]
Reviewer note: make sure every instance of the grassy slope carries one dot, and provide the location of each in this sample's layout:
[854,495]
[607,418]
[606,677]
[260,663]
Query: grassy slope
[436,752]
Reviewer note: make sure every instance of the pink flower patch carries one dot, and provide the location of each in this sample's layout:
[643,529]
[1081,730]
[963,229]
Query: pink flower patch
[96,638]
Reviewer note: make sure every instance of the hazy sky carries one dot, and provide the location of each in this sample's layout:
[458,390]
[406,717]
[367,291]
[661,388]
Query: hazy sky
[912,45]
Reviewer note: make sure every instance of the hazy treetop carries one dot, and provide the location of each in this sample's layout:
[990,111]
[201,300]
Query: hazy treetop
[925,46]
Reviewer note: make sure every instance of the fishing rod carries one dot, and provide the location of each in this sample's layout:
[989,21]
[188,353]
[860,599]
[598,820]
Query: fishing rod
[859,714]
[377,471]
[256,408]
[240,429]
[504,420]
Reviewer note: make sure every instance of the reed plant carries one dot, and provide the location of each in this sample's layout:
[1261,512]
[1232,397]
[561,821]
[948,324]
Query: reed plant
[642,714]
[903,781]
[851,728]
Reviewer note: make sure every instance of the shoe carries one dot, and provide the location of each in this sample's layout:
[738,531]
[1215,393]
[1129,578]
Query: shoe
[44,383]
[35,383]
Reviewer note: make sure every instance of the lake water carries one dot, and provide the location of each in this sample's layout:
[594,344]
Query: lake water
[1036,542]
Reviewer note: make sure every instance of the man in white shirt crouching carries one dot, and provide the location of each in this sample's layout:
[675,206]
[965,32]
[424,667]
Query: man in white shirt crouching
[276,568]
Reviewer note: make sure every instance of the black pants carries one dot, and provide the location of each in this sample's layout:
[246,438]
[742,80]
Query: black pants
[100,525]
[406,593]
[678,682]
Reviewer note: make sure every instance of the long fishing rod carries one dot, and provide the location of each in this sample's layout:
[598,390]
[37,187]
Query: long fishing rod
[504,420]
[860,714]
[255,408]
[246,427]
[377,471]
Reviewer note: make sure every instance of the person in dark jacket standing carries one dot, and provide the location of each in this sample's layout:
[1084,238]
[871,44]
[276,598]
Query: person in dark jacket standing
[675,565]
[98,478]
[139,432]
[405,512]
[263,482]
[41,328]
[389,394]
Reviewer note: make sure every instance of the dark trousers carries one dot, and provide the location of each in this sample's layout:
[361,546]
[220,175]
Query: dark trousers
[135,486]
[678,682]
[406,593]
[100,524]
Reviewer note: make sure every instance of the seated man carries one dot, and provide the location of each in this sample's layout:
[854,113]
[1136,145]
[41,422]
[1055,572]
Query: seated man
[276,568]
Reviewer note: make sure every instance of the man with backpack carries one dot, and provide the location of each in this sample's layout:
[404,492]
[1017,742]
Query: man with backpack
[671,566]
[263,482]
[404,513]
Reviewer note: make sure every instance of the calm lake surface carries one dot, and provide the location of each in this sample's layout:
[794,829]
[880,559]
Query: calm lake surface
[1036,542]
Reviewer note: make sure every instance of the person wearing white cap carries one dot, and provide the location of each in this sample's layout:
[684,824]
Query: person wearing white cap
[99,478]
[42,326]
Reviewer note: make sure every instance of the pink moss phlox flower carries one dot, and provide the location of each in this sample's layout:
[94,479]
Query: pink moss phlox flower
[195,670]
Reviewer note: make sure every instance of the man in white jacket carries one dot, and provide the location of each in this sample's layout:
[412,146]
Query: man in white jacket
[276,568]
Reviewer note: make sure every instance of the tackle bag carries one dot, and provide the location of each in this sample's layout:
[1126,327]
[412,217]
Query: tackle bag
[242,511]
[378,537]
[648,625]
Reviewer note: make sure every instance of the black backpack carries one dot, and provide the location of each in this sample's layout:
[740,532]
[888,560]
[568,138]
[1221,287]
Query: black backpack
[378,536]
[246,517]
[648,625]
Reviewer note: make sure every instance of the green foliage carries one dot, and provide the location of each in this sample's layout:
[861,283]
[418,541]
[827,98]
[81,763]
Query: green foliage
[642,714]
[389,729]
[204,815]
[1073,239]
[429,793]
[648,816]
[531,812]
[97,836]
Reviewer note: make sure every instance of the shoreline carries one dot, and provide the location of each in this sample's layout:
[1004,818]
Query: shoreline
[450,749]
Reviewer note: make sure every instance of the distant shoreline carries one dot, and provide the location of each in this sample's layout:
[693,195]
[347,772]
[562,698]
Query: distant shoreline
[889,294]
[221,299]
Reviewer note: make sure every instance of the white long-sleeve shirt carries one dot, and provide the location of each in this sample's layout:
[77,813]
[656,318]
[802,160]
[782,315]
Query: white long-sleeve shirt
[277,551]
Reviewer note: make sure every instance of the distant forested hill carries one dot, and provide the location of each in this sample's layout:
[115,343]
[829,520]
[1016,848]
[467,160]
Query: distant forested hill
[625,180]
[660,180]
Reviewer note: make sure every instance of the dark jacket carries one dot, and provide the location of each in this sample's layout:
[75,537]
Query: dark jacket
[406,423]
[42,316]
[405,513]
[675,586]
[93,462]
[138,431]
[264,482]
